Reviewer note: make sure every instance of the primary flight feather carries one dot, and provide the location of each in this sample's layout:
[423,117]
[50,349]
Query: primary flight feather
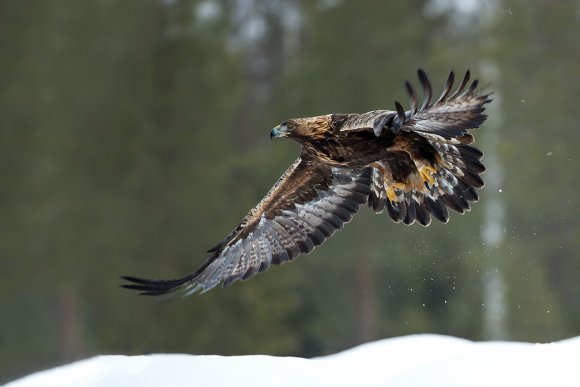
[415,164]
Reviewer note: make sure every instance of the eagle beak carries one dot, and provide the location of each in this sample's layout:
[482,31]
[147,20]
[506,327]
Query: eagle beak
[278,131]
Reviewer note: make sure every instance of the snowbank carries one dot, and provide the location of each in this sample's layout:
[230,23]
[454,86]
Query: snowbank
[418,360]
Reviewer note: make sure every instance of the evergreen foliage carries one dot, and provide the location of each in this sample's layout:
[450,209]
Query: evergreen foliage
[134,135]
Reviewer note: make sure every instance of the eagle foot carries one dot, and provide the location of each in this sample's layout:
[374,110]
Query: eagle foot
[426,173]
[392,189]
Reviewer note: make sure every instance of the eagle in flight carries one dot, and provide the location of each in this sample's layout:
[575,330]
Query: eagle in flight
[415,164]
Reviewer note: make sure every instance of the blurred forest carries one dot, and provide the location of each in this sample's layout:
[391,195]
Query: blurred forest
[134,136]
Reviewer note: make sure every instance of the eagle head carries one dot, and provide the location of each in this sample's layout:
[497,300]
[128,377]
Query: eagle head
[304,129]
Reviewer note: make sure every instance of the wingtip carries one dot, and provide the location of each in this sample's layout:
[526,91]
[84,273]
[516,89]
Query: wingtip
[412,96]
[422,75]
[427,89]
[396,124]
[148,287]
[400,110]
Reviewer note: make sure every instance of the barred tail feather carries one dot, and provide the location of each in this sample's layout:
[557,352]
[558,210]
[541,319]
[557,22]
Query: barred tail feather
[454,187]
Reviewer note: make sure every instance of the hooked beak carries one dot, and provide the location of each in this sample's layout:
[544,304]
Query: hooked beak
[278,131]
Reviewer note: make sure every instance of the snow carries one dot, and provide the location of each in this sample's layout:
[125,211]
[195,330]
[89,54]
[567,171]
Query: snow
[416,360]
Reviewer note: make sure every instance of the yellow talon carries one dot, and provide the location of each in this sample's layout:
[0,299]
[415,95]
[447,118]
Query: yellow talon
[426,173]
[391,190]
[391,194]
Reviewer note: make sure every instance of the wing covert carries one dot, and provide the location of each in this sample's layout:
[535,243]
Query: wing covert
[374,120]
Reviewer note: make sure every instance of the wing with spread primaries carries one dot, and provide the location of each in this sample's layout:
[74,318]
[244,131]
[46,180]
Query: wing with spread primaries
[451,116]
[307,205]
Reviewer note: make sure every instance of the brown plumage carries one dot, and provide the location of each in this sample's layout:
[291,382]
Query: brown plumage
[415,164]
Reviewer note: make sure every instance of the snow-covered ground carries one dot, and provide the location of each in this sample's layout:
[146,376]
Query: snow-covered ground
[418,360]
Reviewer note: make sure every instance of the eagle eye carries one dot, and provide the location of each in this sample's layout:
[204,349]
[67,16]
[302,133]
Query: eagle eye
[288,125]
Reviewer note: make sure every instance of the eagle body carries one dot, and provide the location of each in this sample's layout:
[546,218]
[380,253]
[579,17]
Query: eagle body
[415,164]
[358,149]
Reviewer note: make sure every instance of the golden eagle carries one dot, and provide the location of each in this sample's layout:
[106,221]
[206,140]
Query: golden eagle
[415,164]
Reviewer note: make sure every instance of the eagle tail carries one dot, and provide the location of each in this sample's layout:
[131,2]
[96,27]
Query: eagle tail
[449,184]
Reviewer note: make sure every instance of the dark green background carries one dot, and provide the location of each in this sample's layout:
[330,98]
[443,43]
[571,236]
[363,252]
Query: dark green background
[134,136]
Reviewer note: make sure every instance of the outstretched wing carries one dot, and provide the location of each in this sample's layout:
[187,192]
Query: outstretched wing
[451,116]
[432,167]
[307,205]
